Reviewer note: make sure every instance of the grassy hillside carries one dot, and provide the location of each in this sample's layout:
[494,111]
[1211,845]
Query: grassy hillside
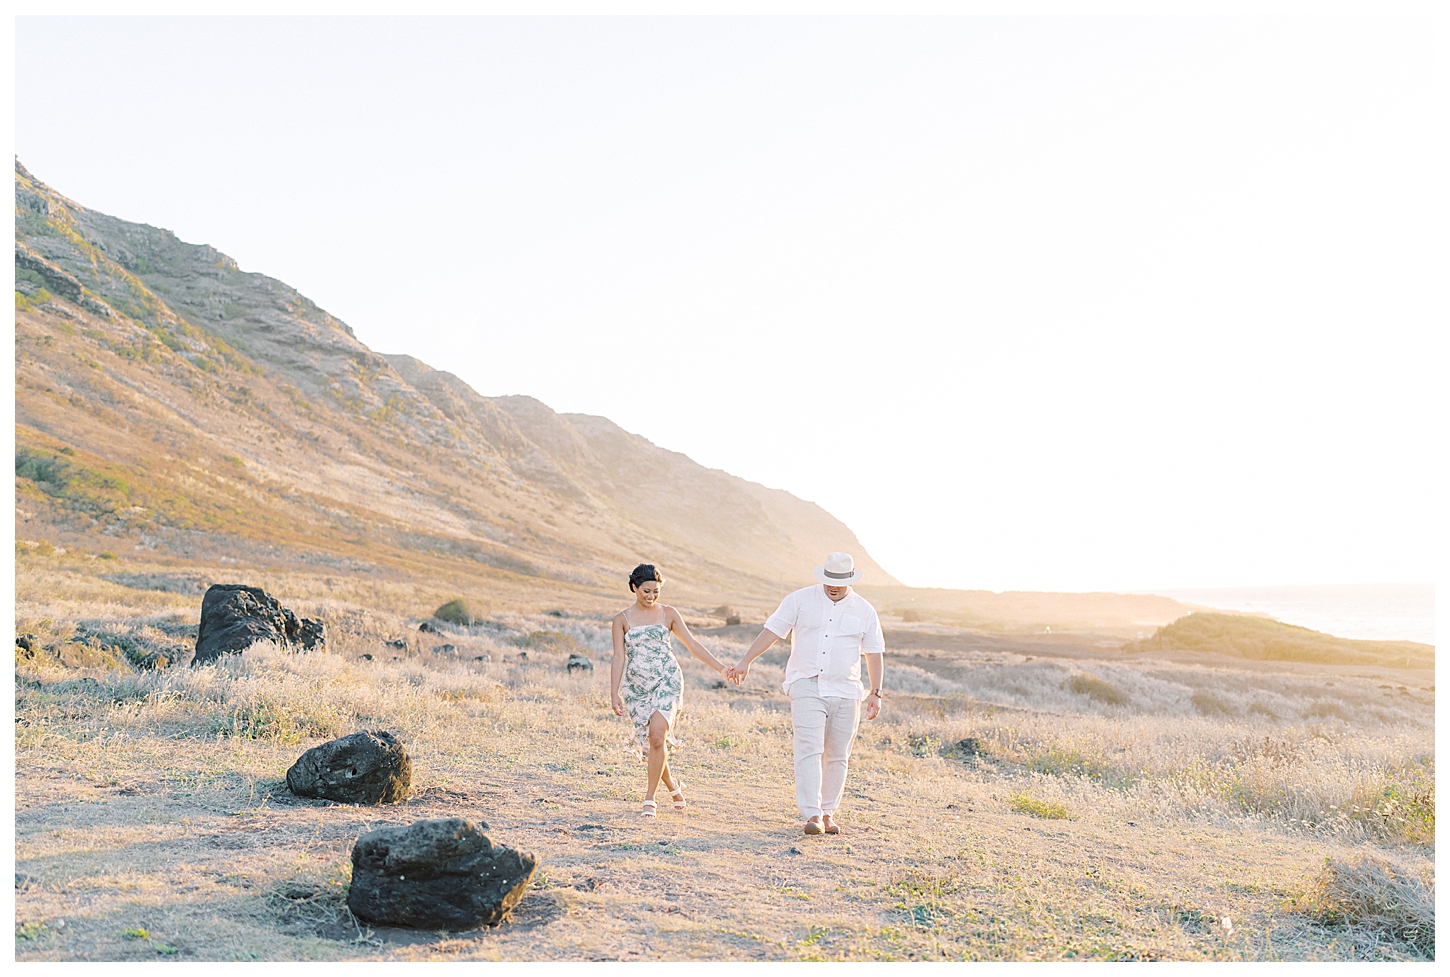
[1261,639]
[168,402]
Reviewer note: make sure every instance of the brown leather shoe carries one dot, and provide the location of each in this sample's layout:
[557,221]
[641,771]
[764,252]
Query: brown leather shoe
[833,828]
[813,827]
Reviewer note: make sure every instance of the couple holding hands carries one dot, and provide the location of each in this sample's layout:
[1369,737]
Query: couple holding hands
[832,628]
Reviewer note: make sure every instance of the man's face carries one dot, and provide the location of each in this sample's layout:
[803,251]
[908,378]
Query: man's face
[836,593]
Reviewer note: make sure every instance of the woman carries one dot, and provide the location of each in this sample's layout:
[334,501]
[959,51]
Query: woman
[645,679]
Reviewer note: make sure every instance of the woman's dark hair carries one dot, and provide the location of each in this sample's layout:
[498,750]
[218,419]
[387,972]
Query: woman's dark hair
[641,573]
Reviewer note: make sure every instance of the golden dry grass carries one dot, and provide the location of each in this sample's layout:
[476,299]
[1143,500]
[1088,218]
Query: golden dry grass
[153,800]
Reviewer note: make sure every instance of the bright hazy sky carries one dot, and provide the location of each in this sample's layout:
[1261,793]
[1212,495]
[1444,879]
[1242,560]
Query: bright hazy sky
[1029,303]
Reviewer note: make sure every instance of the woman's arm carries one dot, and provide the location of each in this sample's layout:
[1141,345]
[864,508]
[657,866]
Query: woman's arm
[616,666]
[679,627]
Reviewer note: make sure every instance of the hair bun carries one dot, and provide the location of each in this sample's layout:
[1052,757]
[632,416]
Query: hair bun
[642,573]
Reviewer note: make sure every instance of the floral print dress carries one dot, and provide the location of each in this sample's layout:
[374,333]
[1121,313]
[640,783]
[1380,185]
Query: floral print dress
[652,680]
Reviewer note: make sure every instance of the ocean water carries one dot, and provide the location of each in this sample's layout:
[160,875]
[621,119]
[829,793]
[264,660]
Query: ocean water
[1382,611]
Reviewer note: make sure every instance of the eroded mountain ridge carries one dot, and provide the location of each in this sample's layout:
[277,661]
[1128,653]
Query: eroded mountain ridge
[171,402]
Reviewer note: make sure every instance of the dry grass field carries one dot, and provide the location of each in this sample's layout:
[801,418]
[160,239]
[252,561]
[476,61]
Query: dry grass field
[1018,805]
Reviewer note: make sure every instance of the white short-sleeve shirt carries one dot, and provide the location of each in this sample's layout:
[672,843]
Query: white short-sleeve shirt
[828,639]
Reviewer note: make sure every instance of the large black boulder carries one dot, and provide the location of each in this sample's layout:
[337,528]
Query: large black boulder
[361,768]
[439,874]
[233,616]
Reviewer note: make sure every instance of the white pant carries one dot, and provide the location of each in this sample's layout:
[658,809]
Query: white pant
[824,730]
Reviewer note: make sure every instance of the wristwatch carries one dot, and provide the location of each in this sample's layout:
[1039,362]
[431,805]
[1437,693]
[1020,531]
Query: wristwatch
[876,693]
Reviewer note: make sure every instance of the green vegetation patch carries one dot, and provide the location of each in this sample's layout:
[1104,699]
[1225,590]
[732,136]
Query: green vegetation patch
[454,612]
[1025,804]
[1261,639]
[1096,689]
[1210,705]
[32,930]
[548,641]
[1403,806]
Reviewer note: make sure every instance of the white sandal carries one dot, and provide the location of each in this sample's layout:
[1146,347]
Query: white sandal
[679,795]
[648,810]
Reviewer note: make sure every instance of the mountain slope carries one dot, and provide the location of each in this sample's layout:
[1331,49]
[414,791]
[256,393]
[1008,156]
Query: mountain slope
[168,401]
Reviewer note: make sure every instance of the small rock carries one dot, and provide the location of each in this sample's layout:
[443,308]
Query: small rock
[437,874]
[427,628]
[793,850]
[366,657]
[363,768]
[523,656]
[444,649]
[969,747]
[556,613]
[579,663]
[483,658]
[399,643]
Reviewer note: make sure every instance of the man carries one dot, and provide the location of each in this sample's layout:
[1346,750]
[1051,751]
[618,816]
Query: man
[831,628]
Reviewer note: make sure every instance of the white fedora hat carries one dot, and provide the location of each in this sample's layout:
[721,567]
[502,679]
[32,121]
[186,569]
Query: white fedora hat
[839,570]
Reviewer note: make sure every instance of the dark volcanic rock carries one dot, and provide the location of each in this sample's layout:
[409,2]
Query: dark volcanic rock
[438,874]
[56,280]
[362,768]
[233,616]
[580,663]
[311,634]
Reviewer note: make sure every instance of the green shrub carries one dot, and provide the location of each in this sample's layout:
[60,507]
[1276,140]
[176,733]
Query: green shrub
[1096,689]
[1208,705]
[454,612]
[40,468]
[1024,804]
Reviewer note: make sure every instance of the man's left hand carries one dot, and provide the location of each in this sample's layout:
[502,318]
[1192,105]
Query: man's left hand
[873,706]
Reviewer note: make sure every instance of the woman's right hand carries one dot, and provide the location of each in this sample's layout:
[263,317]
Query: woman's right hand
[618,704]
